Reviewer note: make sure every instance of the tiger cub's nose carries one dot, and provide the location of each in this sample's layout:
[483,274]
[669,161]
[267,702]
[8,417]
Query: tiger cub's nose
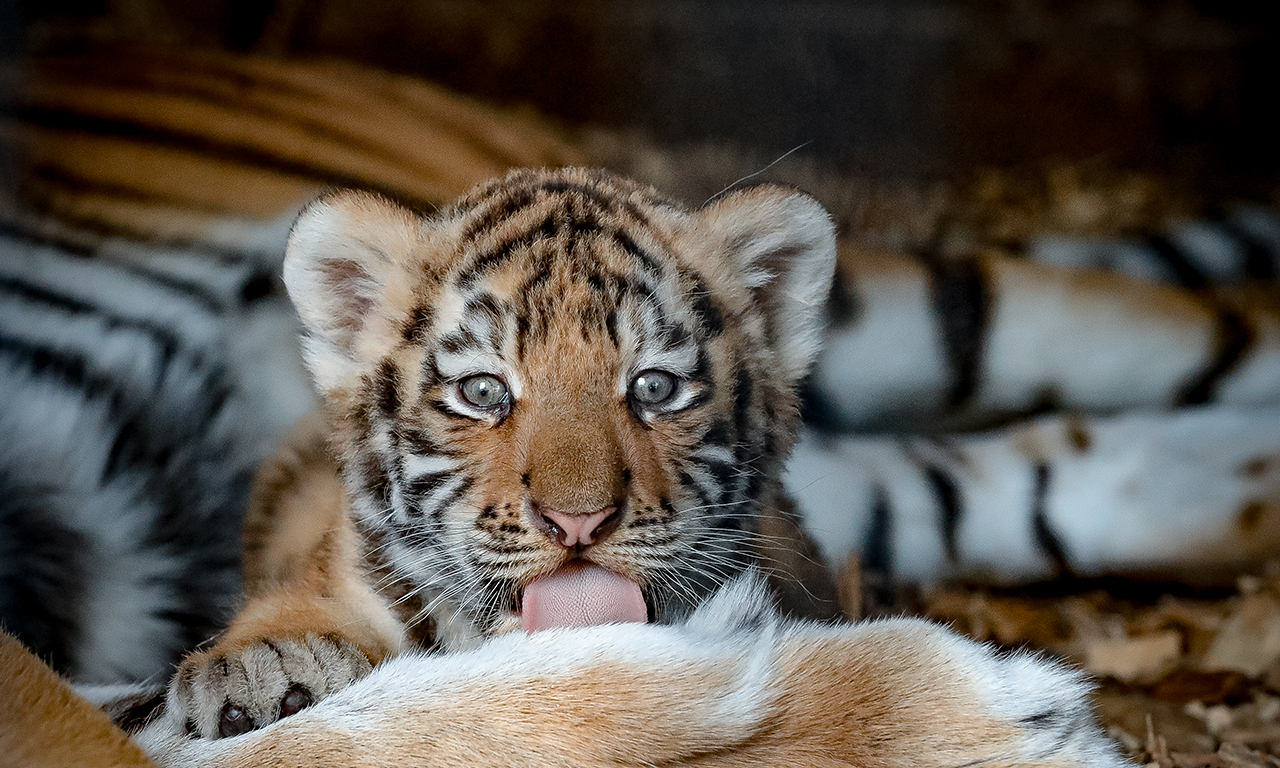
[576,531]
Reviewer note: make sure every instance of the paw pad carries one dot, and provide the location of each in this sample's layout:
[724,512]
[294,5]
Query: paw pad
[295,700]
[234,721]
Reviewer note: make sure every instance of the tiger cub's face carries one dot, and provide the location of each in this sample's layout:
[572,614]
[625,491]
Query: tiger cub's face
[561,369]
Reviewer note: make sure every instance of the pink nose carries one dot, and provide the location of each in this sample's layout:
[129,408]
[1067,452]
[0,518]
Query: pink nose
[577,530]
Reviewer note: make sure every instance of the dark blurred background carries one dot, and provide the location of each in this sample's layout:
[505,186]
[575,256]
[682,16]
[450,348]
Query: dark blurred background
[904,88]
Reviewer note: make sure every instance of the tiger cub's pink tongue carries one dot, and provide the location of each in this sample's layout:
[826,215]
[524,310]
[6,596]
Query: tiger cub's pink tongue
[580,595]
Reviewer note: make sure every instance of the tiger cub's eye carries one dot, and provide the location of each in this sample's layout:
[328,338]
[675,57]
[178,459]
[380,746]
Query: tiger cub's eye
[653,387]
[483,391]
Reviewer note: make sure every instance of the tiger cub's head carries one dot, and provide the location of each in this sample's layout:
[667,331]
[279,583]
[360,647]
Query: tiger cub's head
[564,395]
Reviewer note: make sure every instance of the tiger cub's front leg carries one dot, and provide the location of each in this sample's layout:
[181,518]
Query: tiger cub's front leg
[311,626]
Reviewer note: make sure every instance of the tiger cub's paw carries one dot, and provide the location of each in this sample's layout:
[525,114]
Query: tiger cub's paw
[227,691]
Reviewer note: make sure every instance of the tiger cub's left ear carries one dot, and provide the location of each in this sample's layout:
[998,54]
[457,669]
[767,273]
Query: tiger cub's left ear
[783,243]
[349,271]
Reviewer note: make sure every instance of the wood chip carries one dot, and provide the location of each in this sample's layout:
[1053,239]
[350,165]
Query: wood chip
[1184,685]
[1157,747]
[1249,641]
[1134,659]
[1195,669]
[1236,755]
[1197,761]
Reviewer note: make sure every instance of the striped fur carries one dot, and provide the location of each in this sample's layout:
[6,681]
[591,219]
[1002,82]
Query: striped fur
[568,287]
[201,147]
[143,337]
[132,423]
[1191,495]
[983,338]
[1240,246]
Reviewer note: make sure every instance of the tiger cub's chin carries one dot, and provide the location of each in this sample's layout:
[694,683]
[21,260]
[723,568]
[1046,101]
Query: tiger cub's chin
[562,400]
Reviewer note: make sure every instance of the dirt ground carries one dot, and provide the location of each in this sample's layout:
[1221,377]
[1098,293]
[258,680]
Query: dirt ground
[1187,677]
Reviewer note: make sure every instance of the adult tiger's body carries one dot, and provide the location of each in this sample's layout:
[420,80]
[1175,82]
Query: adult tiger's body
[141,389]
[191,165]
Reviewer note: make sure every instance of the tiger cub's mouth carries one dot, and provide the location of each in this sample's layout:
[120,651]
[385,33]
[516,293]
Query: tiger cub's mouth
[580,594]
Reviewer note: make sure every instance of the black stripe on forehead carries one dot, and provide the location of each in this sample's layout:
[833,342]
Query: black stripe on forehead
[555,224]
[481,327]
[625,242]
[541,273]
[674,334]
[576,214]
[705,307]
[610,203]
[418,325]
[507,197]
[542,302]
[460,341]
[486,304]
[489,213]
[615,287]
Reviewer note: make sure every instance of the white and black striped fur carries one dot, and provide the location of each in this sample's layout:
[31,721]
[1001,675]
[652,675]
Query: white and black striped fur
[931,342]
[1240,246]
[1194,492]
[140,388]
[1163,457]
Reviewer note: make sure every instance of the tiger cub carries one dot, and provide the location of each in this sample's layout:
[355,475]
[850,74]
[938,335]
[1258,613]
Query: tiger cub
[563,400]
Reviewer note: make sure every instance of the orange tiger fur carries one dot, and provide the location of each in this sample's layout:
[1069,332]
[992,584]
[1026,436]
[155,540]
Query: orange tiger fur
[45,724]
[728,690]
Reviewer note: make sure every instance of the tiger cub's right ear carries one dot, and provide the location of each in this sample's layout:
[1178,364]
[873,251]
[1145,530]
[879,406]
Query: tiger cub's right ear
[349,271]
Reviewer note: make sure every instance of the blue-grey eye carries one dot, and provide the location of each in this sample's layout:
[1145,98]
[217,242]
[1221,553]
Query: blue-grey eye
[653,387]
[483,391]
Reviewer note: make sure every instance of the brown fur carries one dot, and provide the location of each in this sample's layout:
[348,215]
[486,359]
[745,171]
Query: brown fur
[840,705]
[249,138]
[297,499]
[881,696]
[306,578]
[45,724]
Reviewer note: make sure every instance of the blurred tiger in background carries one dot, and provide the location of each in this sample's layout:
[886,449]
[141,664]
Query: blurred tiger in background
[1151,386]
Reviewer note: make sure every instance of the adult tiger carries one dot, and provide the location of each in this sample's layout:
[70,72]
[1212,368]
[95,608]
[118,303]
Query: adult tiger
[189,167]
[141,387]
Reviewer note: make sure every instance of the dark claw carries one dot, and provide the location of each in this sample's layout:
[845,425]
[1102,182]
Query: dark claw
[234,721]
[295,700]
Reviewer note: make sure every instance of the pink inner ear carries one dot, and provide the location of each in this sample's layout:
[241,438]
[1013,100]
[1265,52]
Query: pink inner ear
[349,281]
